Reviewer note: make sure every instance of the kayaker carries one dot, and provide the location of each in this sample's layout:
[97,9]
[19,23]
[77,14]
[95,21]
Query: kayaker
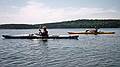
[93,31]
[96,29]
[40,33]
[45,32]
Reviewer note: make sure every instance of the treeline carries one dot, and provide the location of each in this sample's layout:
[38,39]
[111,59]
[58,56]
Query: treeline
[16,26]
[81,23]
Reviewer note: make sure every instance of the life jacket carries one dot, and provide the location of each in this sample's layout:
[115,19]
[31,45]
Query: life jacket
[45,33]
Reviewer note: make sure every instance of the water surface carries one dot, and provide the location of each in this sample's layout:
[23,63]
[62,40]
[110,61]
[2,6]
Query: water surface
[88,51]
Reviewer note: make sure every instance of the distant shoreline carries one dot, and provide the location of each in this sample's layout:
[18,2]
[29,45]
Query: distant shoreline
[53,28]
[80,23]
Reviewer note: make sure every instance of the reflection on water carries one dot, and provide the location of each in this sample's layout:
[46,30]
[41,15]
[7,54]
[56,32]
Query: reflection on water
[88,51]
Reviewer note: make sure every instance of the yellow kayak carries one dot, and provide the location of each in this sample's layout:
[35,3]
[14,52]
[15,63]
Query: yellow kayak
[91,33]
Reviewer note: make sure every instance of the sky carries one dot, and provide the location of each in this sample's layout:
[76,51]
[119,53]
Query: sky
[47,11]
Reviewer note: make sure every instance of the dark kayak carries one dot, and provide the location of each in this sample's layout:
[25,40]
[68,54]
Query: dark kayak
[40,37]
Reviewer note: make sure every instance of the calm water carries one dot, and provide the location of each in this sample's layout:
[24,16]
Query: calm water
[88,51]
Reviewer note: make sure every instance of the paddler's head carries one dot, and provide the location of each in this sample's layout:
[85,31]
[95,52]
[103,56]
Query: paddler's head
[44,27]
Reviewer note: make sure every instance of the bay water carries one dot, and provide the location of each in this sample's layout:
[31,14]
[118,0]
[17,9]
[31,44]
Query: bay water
[101,50]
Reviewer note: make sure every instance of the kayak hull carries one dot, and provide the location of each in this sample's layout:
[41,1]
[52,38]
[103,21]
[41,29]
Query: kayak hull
[91,33]
[40,37]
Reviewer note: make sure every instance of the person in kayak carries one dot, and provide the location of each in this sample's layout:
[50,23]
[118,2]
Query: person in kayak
[44,33]
[40,33]
[96,29]
[93,31]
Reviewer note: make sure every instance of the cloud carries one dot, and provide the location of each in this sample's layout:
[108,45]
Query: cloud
[35,12]
[40,12]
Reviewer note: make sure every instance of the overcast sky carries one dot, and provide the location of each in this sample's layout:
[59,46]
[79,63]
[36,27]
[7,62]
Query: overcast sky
[45,11]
